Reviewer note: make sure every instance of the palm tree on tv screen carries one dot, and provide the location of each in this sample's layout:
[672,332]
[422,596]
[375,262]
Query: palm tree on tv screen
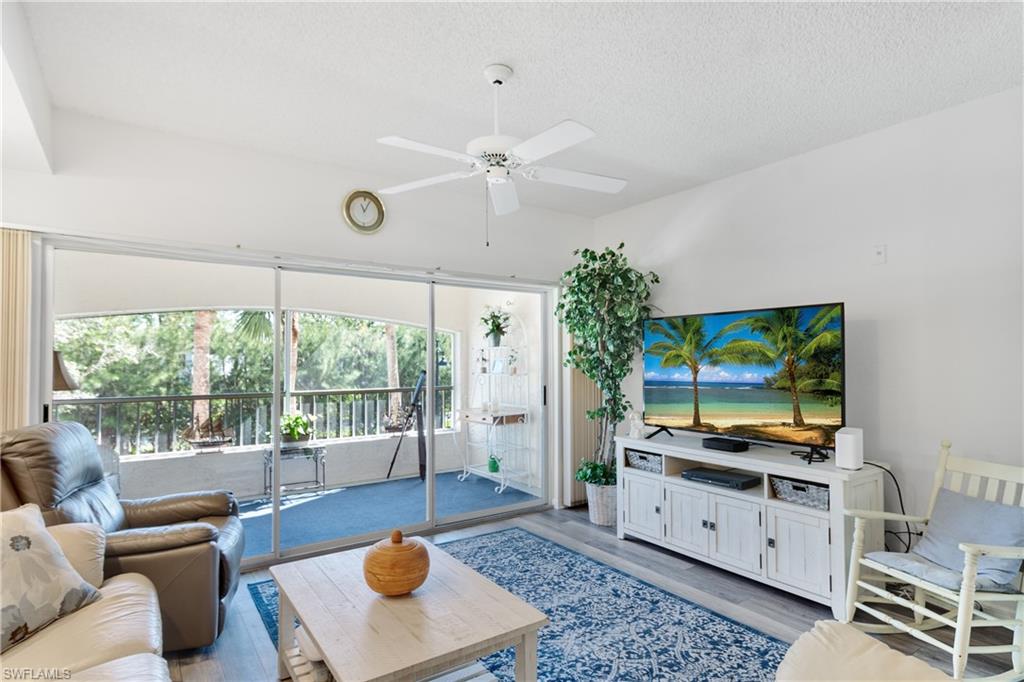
[787,342]
[689,346]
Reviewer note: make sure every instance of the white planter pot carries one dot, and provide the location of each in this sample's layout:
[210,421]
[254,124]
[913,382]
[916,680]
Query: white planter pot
[601,504]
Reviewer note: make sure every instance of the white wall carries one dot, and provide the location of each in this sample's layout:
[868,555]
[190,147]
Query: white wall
[25,134]
[116,180]
[933,343]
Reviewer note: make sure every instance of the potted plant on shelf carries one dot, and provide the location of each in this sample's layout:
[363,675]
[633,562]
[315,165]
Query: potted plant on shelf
[603,306]
[513,362]
[297,428]
[495,321]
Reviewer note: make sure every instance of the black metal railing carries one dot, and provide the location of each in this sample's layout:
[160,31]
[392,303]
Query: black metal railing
[152,424]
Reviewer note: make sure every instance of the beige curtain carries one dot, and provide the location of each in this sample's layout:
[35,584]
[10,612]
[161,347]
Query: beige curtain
[15,288]
[584,396]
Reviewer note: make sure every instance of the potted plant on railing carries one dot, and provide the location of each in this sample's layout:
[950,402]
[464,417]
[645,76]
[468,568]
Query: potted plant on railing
[495,321]
[603,306]
[297,428]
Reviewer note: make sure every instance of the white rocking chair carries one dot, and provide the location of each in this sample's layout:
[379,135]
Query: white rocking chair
[1000,483]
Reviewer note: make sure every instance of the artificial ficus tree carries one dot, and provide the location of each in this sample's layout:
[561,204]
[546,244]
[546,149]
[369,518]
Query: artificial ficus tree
[603,305]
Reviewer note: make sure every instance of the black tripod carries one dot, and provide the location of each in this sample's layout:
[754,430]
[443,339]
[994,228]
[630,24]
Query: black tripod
[414,411]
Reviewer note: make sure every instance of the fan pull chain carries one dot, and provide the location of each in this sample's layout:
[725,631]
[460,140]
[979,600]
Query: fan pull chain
[487,219]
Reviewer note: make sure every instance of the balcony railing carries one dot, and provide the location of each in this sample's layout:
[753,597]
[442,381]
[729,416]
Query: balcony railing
[152,424]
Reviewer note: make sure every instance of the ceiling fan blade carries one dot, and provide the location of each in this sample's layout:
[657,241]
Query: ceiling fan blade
[571,178]
[556,138]
[503,197]
[427,182]
[405,143]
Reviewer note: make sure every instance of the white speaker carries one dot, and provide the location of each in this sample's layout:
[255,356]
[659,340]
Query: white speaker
[850,448]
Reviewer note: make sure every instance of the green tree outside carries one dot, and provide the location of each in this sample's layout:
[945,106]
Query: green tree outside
[151,354]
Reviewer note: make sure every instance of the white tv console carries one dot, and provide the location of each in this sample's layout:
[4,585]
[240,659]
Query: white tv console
[750,532]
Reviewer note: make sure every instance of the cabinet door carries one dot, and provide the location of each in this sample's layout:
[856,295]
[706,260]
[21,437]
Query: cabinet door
[642,497]
[798,551]
[686,518]
[736,533]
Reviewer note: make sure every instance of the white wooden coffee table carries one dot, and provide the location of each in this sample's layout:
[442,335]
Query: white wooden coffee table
[455,617]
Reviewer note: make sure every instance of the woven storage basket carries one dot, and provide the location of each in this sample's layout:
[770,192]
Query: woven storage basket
[644,461]
[804,493]
[601,504]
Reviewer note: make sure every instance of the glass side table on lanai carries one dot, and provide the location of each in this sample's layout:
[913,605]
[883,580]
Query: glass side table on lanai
[291,451]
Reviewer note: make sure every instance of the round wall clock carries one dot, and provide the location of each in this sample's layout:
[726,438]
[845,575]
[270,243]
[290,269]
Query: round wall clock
[363,211]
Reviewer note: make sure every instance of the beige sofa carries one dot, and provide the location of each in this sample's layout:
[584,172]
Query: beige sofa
[117,637]
[838,652]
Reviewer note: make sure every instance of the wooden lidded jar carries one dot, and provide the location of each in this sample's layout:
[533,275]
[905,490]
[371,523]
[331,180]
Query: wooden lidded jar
[396,565]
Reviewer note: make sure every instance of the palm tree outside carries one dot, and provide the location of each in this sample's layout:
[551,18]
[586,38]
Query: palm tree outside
[788,341]
[202,331]
[257,326]
[391,350]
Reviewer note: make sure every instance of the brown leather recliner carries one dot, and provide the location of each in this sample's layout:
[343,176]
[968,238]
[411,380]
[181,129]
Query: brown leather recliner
[190,545]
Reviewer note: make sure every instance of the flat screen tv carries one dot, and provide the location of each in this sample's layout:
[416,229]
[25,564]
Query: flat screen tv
[773,374]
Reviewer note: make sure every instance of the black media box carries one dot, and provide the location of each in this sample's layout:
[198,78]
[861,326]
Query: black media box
[725,479]
[726,444]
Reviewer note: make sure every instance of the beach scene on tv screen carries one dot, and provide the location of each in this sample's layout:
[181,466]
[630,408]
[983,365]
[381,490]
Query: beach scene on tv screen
[768,374]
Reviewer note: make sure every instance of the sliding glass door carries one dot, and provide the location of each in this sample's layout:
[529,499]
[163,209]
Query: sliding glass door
[497,456]
[335,407]
[354,445]
[160,362]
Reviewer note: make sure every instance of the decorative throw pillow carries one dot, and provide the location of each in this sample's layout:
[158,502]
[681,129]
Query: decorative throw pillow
[39,585]
[959,518]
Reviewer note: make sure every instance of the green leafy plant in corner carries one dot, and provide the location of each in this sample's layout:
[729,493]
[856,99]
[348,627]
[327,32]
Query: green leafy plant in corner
[495,321]
[597,473]
[603,305]
[297,426]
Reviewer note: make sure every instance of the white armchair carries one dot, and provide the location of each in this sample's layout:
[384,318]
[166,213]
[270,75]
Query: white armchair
[944,591]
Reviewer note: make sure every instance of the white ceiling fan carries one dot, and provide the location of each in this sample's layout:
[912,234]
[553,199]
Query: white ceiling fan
[499,157]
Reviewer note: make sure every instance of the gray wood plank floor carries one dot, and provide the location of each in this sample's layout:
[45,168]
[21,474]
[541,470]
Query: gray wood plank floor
[244,653]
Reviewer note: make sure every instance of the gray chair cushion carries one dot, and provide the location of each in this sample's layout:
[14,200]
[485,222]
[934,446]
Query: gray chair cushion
[929,571]
[959,518]
[57,466]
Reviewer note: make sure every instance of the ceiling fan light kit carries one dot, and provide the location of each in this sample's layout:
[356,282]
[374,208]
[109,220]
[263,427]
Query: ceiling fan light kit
[501,157]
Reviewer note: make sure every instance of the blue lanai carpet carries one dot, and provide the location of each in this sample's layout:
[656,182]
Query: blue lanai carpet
[605,624]
[359,509]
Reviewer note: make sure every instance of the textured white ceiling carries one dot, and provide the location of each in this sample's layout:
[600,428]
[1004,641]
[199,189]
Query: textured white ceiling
[679,94]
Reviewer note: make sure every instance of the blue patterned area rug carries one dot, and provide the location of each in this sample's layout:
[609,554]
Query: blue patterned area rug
[605,624]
